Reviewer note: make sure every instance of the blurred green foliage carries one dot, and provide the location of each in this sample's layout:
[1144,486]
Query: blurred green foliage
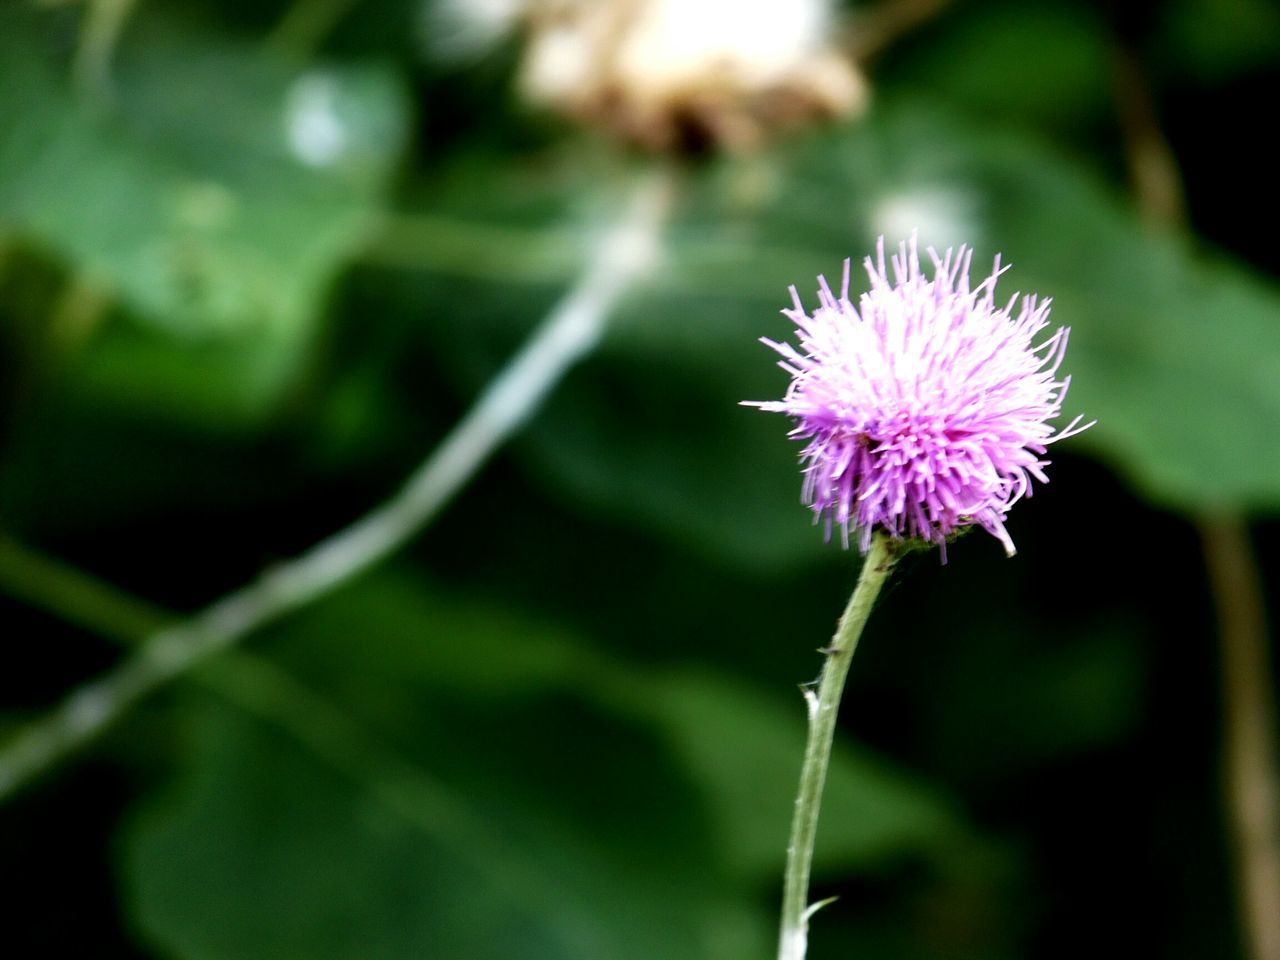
[216,207]
[244,286]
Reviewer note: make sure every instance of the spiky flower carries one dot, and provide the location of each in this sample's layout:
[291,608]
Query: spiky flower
[926,408]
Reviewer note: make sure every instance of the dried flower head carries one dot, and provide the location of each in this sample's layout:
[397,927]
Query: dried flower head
[668,74]
[926,408]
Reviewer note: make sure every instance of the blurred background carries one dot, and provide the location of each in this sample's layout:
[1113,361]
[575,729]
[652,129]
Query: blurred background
[257,259]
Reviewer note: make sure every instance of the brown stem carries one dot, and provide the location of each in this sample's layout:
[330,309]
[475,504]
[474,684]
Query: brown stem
[1157,183]
[873,31]
[1250,778]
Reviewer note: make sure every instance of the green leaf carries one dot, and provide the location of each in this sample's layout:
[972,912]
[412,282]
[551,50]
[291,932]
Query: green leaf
[470,823]
[216,220]
[480,779]
[741,743]
[264,852]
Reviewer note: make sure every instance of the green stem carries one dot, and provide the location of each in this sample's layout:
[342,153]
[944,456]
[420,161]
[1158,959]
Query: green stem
[306,24]
[104,21]
[76,597]
[823,708]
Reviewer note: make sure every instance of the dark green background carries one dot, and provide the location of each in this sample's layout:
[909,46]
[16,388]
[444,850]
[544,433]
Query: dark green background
[564,724]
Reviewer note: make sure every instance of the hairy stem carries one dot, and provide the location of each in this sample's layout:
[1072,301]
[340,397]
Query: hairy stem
[823,708]
[571,330]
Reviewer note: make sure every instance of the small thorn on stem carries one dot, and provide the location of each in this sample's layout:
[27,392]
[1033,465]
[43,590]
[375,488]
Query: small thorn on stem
[815,907]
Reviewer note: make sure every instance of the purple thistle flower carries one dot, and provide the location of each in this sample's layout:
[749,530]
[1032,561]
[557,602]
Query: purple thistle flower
[926,408]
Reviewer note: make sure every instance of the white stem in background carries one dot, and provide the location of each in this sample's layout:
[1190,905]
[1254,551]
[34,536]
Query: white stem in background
[571,330]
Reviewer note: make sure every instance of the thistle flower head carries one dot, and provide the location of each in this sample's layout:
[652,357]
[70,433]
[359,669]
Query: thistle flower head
[926,408]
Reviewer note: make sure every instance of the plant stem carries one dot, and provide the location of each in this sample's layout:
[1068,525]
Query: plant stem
[328,733]
[1250,774]
[1250,779]
[570,331]
[306,24]
[75,596]
[104,21]
[823,708]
